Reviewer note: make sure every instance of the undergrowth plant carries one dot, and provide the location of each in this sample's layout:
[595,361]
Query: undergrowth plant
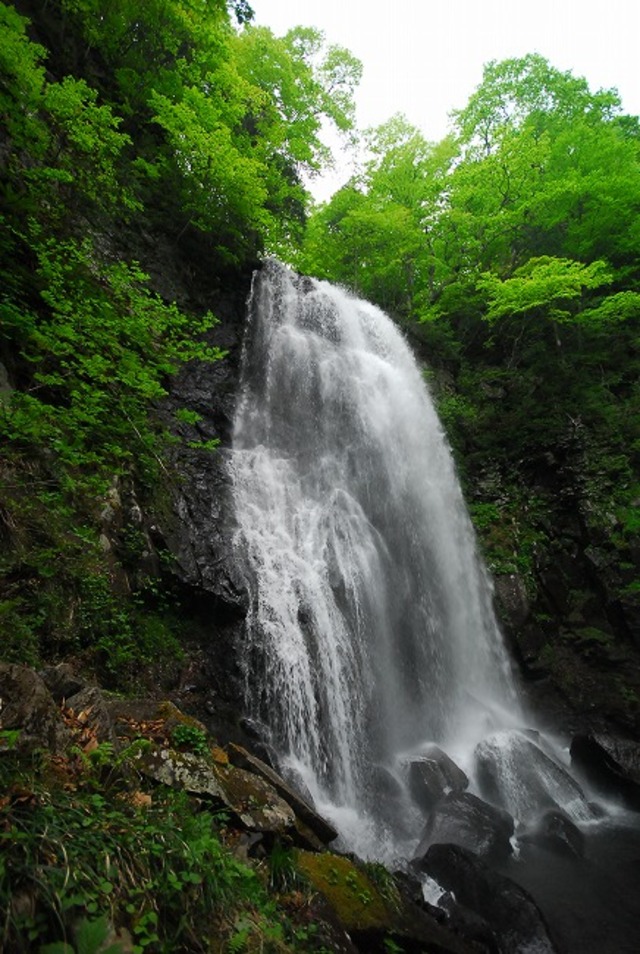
[86,870]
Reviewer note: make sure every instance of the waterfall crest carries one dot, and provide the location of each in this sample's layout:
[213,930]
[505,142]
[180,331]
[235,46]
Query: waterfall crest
[371,630]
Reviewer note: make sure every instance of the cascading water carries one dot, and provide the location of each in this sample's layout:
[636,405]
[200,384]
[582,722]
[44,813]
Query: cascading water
[371,630]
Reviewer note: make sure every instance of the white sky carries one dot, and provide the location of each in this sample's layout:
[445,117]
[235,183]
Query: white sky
[425,57]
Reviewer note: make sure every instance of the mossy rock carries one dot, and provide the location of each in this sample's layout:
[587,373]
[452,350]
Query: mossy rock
[356,900]
[254,800]
[373,911]
[173,717]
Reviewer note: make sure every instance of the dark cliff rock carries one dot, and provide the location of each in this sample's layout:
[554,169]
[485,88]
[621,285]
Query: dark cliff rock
[198,530]
[573,625]
[194,525]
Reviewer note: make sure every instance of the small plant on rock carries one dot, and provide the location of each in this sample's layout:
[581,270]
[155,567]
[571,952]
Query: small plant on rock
[191,739]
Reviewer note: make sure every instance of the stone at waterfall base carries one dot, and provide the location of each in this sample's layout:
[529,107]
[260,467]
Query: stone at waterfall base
[27,708]
[372,908]
[555,832]
[514,918]
[610,766]
[433,775]
[318,825]
[465,820]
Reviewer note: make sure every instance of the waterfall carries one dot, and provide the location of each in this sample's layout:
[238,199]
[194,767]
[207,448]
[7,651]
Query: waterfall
[371,631]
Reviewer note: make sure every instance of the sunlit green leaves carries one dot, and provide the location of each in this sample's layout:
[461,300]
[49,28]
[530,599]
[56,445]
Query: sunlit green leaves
[223,188]
[21,77]
[101,351]
[544,285]
[527,90]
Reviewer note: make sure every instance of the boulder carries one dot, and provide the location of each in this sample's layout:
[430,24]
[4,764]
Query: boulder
[310,818]
[256,802]
[516,773]
[625,752]
[376,912]
[470,925]
[391,801]
[27,705]
[517,924]
[433,775]
[182,770]
[463,819]
[252,800]
[61,681]
[601,769]
[555,832]
[294,780]
[385,784]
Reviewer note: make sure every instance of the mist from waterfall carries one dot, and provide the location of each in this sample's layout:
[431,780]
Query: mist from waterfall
[371,631]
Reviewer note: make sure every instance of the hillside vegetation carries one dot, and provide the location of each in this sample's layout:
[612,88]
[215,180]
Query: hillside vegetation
[160,133]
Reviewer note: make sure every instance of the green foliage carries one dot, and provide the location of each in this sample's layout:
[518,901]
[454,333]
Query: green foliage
[510,532]
[191,739]
[127,126]
[371,235]
[87,869]
[101,349]
[222,188]
[391,947]
[283,874]
[544,284]
[123,635]
[90,936]
[158,873]
[20,642]
[9,739]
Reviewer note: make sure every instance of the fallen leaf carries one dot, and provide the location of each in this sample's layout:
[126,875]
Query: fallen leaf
[140,799]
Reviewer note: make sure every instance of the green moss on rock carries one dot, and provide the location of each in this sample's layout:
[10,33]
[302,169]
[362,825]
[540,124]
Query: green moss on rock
[356,900]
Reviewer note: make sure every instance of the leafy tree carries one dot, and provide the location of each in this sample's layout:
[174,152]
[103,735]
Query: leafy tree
[301,84]
[547,284]
[371,235]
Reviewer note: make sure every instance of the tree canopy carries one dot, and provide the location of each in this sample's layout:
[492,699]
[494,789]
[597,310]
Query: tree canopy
[515,243]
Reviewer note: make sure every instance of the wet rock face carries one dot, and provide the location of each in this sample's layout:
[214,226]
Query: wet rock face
[574,628]
[194,523]
[610,766]
[512,600]
[198,530]
[515,773]
[465,820]
[433,775]
[555,832]
[515,920]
